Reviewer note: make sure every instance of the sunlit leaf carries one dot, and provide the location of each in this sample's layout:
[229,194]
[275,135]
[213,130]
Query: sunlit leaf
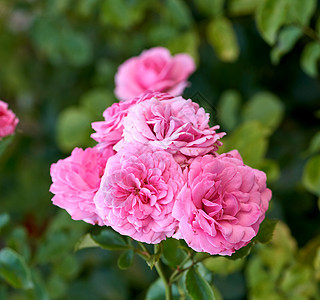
[310,57]
[222,37]
[73,128]
[266,108]
[223,265]
[311,175]
[242,7]
[270,16]
[210,8]
[300,12]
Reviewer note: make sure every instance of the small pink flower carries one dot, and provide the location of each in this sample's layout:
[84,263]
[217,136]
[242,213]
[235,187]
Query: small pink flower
[76,180]
[8,120]
[156,70]
[222,205]
[109,132]
[177,125]
[137,193]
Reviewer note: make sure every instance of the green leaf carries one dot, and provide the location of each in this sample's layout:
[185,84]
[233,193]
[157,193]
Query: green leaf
[14,269]
[172,252]
[156,291]
[125,259]
[198,288]
[314,144]
[96,101]
[223,39]
[311,175]
[85,242]
[177,13]
[309,58]
[270,16]
[73,128]
[242,7]
[266,230]
[300,12]
[250,139]
[241,253]
[111,240]
[288,37]
[265,108]
[5,142]
[187,42]
[4,220]
[228,109]
[210,8]
[271,168]
[223,265]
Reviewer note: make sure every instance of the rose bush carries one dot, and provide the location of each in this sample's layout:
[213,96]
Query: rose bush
[155,70]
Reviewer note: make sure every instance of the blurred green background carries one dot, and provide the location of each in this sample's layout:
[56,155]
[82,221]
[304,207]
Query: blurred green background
[257,75]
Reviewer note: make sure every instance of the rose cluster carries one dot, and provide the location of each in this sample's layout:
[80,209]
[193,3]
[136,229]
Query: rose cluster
[155,171]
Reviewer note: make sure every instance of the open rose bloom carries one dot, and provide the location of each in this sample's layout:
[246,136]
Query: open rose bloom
[154,70]
[155,171]
[8,120]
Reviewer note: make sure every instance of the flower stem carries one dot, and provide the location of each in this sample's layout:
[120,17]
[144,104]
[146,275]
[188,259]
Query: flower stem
[158,266]
[159,269]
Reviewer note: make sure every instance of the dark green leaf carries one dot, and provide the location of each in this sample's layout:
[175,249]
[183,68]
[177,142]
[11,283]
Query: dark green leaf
[198,288]
[309,58]
[172,252]
[266,230]
[4,143]
[110,240]
[242,252]
[4,220]
[270,16]
[223,39]
[266,108]
[125,259]
[156,291]
[14,269]
[288,37]
[229,108]
[311,175]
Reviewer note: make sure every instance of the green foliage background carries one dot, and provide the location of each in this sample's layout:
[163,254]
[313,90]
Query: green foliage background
[257,75]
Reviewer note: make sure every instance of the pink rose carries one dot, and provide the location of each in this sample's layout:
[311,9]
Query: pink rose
[138,191]
[222,204]
[76,180]
[8,120]
[156,70]
[109,132]
[177,125]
